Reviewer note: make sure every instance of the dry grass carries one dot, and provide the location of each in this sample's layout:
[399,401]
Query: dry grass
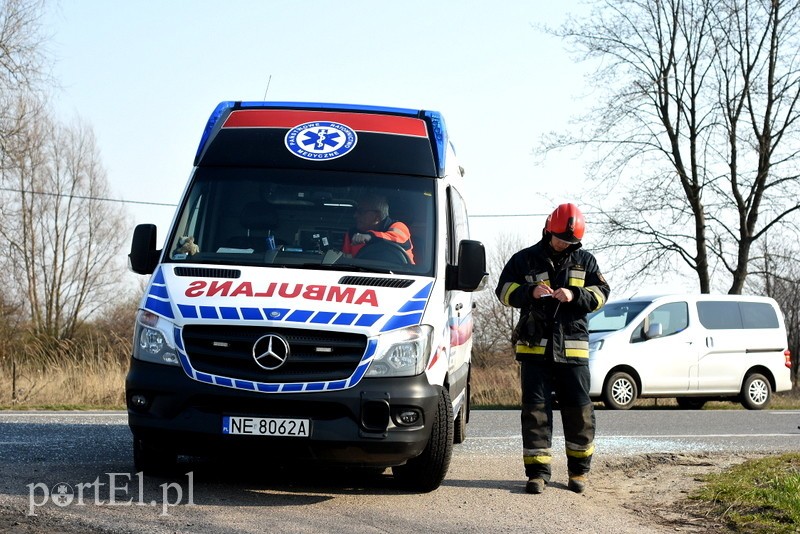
[98,382]
[85,373]
[496,386]
[94,385]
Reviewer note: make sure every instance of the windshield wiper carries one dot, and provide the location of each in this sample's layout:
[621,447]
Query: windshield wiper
[342,267]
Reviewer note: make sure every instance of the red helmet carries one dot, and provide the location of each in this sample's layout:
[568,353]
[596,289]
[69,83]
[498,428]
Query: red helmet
[566,223]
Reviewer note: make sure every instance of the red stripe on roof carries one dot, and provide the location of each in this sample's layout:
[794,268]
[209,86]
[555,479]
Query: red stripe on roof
[361,122]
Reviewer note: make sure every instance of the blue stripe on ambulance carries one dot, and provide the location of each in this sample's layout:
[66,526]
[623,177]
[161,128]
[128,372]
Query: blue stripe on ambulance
[267,387]
[409,314]
[158,300]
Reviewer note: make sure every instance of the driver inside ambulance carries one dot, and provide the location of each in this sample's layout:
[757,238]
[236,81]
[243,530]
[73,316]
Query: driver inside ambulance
[372,223]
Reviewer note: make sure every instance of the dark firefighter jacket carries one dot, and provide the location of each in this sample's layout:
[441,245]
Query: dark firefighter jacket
[545,321]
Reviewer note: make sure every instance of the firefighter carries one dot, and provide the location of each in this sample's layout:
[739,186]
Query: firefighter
[555,284]
[372,222]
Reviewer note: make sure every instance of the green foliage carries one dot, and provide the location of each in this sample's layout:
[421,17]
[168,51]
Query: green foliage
[757,496]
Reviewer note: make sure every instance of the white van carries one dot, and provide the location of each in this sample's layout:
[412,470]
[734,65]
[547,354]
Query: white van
[257,332]
[692,347]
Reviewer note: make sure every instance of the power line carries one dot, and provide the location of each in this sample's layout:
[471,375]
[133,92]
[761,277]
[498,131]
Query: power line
[489,215]
[84,197]
[164,204]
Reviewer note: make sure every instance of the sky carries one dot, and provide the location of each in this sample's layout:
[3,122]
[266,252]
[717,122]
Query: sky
[146,75]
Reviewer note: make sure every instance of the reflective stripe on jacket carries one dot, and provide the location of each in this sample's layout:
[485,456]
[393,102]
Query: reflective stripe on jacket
[547,325]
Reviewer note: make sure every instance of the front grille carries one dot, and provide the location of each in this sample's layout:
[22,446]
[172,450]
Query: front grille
[315,356]
[204,272]
[375,282]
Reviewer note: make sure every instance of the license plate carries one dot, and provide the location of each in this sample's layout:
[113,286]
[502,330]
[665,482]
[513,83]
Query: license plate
[266,426]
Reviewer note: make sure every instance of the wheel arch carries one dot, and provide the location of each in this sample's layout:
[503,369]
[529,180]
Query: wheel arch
[761,370]
[622,368]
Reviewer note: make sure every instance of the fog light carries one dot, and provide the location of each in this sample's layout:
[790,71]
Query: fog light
[138,401]
[408,417]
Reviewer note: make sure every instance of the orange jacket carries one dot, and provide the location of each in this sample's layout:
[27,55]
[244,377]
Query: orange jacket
[394,231]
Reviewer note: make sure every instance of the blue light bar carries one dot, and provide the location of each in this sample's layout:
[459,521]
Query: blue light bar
[439,131]
[212,121]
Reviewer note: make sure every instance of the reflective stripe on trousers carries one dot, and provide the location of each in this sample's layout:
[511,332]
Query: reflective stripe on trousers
[571,383]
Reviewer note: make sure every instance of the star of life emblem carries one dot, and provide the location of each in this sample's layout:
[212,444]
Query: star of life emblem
[320,140]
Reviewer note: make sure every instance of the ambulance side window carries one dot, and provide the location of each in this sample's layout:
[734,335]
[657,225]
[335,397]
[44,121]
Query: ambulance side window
[457,224]
[188,227]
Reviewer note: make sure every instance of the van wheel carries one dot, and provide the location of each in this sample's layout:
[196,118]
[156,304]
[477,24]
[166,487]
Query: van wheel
[620,391]
[153,461]
[426,472]
[690,403]
[756,392]
[460,426]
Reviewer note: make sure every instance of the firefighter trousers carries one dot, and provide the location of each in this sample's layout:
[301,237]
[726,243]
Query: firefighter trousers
[570,383]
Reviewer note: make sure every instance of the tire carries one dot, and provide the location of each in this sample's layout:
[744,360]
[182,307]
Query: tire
[620,391]
[426,472]
[460,425]
[151,460]
[691,403]
[756,392]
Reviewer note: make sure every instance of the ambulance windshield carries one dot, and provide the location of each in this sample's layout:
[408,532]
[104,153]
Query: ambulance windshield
[302,218]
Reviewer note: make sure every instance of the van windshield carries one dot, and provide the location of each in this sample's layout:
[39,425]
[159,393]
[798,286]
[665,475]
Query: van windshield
[300,219]
[615,316]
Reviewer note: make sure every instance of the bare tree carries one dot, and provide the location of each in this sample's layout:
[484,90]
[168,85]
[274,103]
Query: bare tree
[23,63]
[779,278]
[493,321]
[63,236]
[697,133]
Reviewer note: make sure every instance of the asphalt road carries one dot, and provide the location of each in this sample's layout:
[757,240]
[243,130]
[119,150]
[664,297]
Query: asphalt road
[72,472]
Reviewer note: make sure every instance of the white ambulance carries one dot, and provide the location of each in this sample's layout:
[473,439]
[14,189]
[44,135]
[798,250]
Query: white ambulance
[258,331]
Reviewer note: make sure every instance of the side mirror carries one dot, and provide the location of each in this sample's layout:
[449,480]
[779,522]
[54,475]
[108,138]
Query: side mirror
[654,330]
[470,272]
[144,256]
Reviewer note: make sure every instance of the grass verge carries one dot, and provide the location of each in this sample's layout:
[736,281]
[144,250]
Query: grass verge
[80,386]
[100,384]
[760,495]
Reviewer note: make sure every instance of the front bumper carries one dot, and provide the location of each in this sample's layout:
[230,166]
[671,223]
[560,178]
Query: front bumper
[356,426]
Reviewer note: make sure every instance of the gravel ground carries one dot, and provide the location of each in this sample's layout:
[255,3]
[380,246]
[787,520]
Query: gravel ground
[632,494]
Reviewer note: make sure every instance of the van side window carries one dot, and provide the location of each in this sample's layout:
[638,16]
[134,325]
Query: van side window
[673,318]
[716,315]
[758,315]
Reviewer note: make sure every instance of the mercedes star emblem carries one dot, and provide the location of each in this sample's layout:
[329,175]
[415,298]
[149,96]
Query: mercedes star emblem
[270,351]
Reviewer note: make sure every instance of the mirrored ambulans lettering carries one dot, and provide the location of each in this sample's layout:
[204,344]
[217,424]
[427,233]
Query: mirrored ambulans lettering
[348,295]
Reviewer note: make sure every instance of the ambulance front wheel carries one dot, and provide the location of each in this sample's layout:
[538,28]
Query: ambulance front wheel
[426,472]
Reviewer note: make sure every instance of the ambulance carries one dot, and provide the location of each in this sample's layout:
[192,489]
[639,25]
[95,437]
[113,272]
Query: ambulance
[257,332]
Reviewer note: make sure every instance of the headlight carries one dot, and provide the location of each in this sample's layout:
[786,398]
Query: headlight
[402,352]
[151,342]
[595,345]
